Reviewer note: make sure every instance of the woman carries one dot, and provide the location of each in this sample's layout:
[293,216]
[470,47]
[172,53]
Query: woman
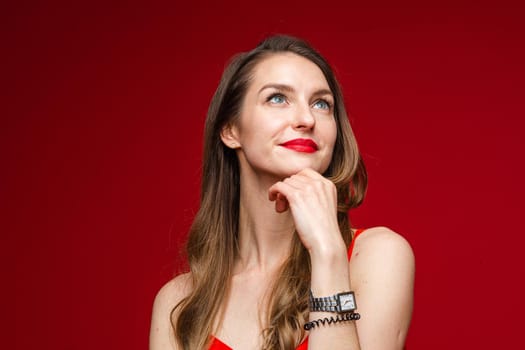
[269,248]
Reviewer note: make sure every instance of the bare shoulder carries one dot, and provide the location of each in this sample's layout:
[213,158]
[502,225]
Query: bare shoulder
[382,242]
[161,337]
[173,291]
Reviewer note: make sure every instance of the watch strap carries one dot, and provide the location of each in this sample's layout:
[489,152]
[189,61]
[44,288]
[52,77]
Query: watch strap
[332,303]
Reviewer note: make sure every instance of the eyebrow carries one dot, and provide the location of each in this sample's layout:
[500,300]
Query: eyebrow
[288,88]
[282,87]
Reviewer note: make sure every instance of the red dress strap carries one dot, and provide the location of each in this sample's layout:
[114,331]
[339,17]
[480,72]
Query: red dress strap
[216,344]
[351,248]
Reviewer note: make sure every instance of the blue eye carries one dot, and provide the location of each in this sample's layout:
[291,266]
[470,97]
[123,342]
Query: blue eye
[321,104]
[277,99]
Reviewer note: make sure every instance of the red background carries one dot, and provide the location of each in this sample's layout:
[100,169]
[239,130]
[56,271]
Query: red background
[101,140]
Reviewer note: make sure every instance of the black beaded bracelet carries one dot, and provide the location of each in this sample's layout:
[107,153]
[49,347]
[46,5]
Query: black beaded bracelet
[350,316]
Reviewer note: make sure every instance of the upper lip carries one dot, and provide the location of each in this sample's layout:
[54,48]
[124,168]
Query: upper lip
[301,142]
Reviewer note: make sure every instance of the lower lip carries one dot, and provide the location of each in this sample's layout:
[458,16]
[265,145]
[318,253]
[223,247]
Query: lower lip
[301,148]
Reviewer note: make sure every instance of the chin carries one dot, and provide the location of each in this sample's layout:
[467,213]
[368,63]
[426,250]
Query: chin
[292,169]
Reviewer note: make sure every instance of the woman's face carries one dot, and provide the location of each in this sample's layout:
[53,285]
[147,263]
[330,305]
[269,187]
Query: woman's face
[287,119]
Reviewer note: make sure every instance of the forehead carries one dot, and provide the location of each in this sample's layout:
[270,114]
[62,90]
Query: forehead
[288,69]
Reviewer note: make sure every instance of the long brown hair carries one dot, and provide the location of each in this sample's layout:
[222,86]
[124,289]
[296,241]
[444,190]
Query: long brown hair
[212,246]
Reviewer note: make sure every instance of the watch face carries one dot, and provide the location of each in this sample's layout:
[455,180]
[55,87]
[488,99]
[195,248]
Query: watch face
[347,301]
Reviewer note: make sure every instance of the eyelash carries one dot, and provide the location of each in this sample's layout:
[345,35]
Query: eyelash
[272,96]
[328,104]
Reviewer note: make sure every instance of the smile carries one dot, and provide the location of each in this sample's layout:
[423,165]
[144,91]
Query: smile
[301,145]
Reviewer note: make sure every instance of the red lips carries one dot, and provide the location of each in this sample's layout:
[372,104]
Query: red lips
[301,145]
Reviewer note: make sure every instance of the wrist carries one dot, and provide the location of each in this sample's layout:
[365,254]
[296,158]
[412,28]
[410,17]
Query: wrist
[329,252]
[341,302]
[330,271]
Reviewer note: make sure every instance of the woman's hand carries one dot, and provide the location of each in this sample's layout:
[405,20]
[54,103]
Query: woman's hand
[312,200]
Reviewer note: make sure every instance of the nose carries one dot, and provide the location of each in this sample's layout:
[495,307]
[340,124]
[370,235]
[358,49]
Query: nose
[303,118]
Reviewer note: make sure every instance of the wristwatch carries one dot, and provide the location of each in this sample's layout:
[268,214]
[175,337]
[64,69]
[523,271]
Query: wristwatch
[341,302]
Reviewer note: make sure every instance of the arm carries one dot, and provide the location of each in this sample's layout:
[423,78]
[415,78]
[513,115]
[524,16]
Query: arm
[161,333]
[312,200]
[380,273]
[330,275]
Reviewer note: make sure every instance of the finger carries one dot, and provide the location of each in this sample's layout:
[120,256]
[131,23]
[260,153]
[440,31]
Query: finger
[310,173]
[297,181]
[280,188]
[307,184]
[281,204]
[273,192]
[309,176]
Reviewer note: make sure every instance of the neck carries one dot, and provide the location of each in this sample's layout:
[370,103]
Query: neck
[265,236]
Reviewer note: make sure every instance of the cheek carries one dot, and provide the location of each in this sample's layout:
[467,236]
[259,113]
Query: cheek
[264,130]
[331,133]
[257,123]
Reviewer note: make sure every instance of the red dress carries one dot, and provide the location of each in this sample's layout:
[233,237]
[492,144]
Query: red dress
[216,344]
